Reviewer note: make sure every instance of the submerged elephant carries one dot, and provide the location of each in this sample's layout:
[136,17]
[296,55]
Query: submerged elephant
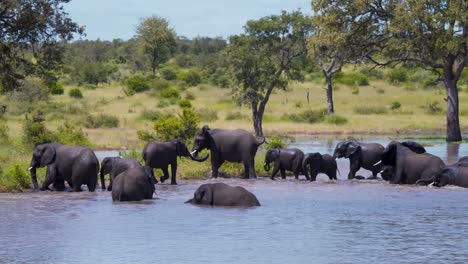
[410,163]
[134,184]
[160,155]
[455,174]
[221,194]
[75,164]
[228,145]
[318,163]
[360,154]
[285,160]
[114,166]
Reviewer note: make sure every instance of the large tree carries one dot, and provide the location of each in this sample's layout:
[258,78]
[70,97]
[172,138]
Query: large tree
[271,52]
[30,36]
[158,39]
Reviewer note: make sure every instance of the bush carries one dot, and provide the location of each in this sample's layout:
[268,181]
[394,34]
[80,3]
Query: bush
[56,89]
[235,116]
[160,84]
[191,78]
[30,90]
[190,96]
[355,90]
[184,103]
[380,90]
[16,177]
[150,115]
[34,130]
[69,135]
[136,84]
[372,73]
[3,132]
[308,116]
[132,154]
[397,75]
[433,108]
[145,136]
[208,115]
[275,142]
[75,93]
[370,110]
[220,78]
[168,74]
[352,79]
[395,105]
[101,120]
[170,93]
[183,126]
[336,120]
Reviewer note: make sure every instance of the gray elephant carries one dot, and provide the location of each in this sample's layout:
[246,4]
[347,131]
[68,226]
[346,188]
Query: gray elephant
[285,160]
[455,174]
[134,184]
[387,172]
[75,164]
[318,163]
[360,154]
[228,145]
[160,155]
[114,166]
[221,194]
[410,163]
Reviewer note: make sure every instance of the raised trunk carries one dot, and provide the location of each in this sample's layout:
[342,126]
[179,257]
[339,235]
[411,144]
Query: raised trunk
[330,107]
[453,121]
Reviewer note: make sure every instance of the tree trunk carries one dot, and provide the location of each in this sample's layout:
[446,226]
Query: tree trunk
[330,107]
[453,122]
[257,117]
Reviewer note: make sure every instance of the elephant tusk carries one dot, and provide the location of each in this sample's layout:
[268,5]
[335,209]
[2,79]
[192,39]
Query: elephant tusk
[30,168]
[432,184]
[377,163]
[381,171]
[193,152]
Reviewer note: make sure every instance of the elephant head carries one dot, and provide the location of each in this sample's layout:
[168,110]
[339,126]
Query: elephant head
[203,195]
[387,172]
[106,167]
[444,176]
[150,174]
[390,153]
[43,155]
[182,151]
[270,156]
[203,140]
[346,149]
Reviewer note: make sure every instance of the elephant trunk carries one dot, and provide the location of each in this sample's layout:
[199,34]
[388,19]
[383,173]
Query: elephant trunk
[102,174]
[266,166]
[32,169]
[196,158]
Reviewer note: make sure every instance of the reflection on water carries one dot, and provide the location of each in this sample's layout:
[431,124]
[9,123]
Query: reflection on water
[298,222]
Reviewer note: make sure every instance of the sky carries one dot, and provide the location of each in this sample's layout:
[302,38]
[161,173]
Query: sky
[110,19]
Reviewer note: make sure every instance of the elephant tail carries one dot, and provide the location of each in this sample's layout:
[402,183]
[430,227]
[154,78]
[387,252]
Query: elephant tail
[262,142]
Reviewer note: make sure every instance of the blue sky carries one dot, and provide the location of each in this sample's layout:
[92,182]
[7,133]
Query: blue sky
[109,19]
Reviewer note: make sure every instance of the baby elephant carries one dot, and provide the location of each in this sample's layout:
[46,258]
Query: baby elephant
[319,163]
[284,159]
[134,184]
[221,194]
[114,166]
[455,174]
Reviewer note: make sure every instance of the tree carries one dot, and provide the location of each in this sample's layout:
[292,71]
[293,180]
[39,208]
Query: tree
[338,38]
[30,36]
[159,41]
[268,55]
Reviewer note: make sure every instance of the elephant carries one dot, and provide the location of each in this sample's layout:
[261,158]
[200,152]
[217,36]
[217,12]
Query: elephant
[387,172]
[410,162]
[75,164]
[228,145]
[134,184]
[360,154]
[319,164]
[285,159]
[455,174]
[221,194]
[162,154]
[114,166]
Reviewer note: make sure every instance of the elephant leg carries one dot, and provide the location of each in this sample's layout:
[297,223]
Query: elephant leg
[59,186]
[275,170]
[91,186]
[166,174]
[70,183]
[353,168]
[215,168]
[283,173]
[252,168]
[51,177]
[246,171]
[174,173]
[77,186]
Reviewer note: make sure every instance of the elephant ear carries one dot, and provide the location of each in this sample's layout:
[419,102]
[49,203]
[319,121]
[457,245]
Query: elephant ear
[389,155]
[179,146]
[206,132]
[351,149]
[204,195]
[48,155]
[415,147]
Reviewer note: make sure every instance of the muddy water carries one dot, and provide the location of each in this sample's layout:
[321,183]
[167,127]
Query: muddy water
[298,222]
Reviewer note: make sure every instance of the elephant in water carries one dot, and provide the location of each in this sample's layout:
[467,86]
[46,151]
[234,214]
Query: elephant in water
[360,154]
[221,194]
[284,159]
[134,184]
[75,164]
[162,154]
[319,163]
[455,174]
[228,145]
[114,166]
[411,164]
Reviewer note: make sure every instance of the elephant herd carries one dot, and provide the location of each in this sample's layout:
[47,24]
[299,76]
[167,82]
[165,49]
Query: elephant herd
[399,163]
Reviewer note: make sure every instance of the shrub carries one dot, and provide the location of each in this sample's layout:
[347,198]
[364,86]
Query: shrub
[69,135]
[133,153]
[170,93]
[56,89]
[236,115]
[275,142]
[352,79]
[397,75]
[30,90]
[150,115]
[34,130]
[308,116]
[16,177]
[160,84]
[433,108]
[3,131]
[75,93]
[182,126]
[168,74]
[372,73]
[101,120]
[145,136]
[220,78]
[380,90]
[298,104]
[208,115]
[184,103]
[336,120]
[191,78]
[136,84]
[355,91]
[370,110]
[190,96]
[395,105]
